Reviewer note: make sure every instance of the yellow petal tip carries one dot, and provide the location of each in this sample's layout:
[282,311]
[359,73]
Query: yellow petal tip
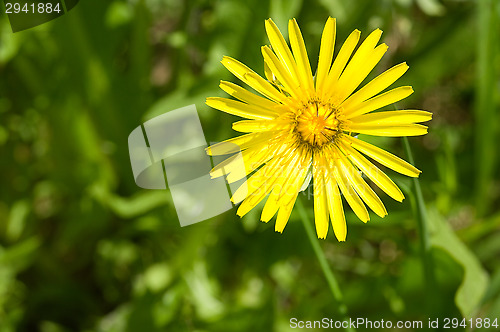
[416,174]
[241,213]
[269,22]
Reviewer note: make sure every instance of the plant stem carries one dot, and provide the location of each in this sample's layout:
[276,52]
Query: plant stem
[423,230]
[323,263]
[484,103]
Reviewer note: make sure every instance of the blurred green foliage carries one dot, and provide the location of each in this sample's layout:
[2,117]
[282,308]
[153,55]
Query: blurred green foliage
[82,248]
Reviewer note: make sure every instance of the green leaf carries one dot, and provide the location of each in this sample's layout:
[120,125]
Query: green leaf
[475,279]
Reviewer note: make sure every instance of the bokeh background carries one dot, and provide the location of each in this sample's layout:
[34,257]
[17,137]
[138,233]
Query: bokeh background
[82,248]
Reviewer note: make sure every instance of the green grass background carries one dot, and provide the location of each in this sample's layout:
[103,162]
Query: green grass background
[82,248]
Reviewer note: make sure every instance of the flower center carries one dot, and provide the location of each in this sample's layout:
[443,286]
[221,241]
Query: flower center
[317,124]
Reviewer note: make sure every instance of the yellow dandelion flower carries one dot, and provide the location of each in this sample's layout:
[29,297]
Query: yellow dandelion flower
[304,126]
